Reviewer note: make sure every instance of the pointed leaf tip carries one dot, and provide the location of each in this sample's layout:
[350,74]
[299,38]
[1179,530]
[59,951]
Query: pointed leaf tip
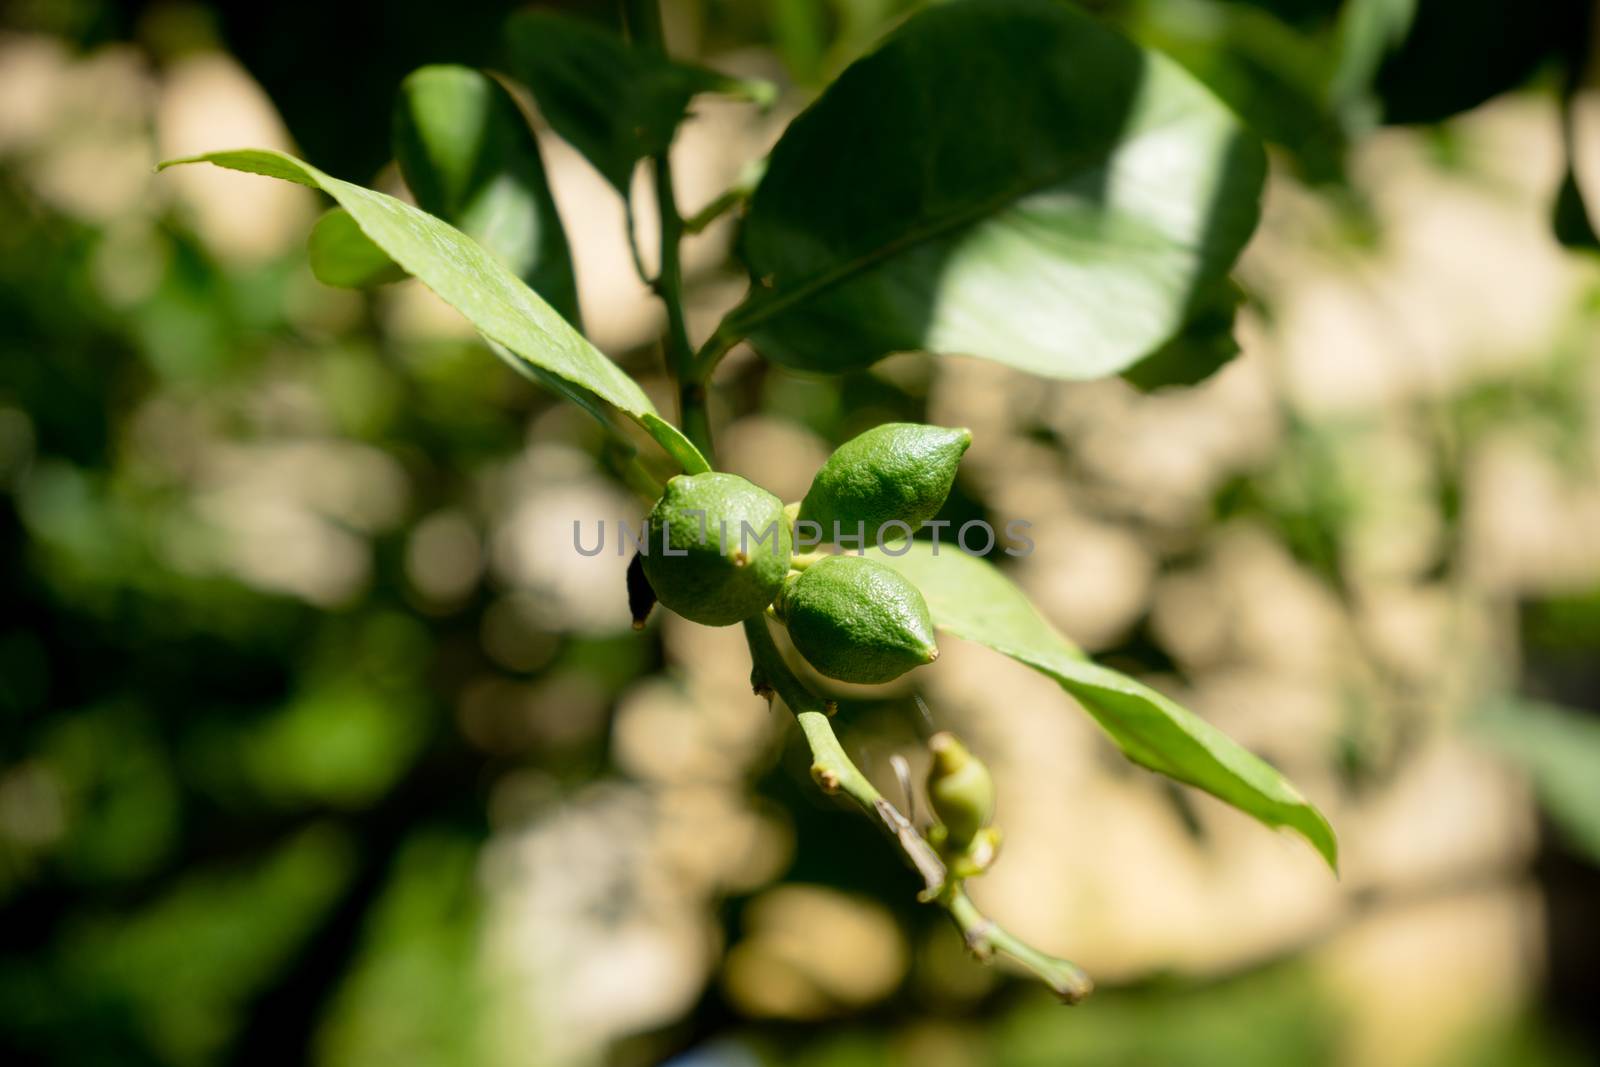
[515,319]
[968,597]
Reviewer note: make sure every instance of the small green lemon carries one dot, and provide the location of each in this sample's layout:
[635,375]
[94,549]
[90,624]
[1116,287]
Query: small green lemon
[960,790]
[899,472]
[857,620]
[718,548]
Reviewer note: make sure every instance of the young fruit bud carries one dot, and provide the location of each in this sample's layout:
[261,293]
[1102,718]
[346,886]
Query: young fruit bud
[894,473]
[718,548]
[857,620]
[960,791]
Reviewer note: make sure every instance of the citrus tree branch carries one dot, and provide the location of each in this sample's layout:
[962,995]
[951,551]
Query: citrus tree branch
[716,346]
[985,938]
[832,770]
[835,773]
[644,23]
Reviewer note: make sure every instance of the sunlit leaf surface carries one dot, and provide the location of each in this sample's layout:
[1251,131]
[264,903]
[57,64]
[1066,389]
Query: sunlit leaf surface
[971,599]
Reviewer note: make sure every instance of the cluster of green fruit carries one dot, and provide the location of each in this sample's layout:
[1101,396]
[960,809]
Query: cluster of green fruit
[720,550]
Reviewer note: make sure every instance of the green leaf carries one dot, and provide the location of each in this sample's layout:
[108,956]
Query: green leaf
[1204,347]
[341,255]
[971,599]
[523,329]
[614,103]
[1275,76]
[1001,178]
[1457,54]
[799,31]
[1558,748]
[470,158]
[1367,32]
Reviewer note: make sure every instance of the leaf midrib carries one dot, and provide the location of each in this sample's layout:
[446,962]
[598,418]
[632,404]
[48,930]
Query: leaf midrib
[755,310]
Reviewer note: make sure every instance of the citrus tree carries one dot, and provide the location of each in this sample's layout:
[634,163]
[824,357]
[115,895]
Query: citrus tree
[1006,179]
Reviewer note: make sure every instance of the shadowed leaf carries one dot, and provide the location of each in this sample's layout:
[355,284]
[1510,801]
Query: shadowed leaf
[1007,179]
[341,255]
[469,157]
[614,103]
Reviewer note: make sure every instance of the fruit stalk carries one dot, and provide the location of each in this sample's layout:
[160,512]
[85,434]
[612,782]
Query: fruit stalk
[832,770]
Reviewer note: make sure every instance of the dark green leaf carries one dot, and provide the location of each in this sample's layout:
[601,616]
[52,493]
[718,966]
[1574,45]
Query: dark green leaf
[342,255]
[971,599]
[1570,217]
[469,157]
[1203,348]
[1276,77]
[519,324]
[1004,178]
[1459,53]
[614,103]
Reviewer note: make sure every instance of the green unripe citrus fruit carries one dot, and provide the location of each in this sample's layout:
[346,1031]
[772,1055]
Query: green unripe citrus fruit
[857,620]
[897,472]
[960,790]
[718,548]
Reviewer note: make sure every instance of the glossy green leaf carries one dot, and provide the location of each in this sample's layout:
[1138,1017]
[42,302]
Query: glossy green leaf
[971,599]
[614,103]
[469,157]
[341,255]
[521,326]
[1001,178]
